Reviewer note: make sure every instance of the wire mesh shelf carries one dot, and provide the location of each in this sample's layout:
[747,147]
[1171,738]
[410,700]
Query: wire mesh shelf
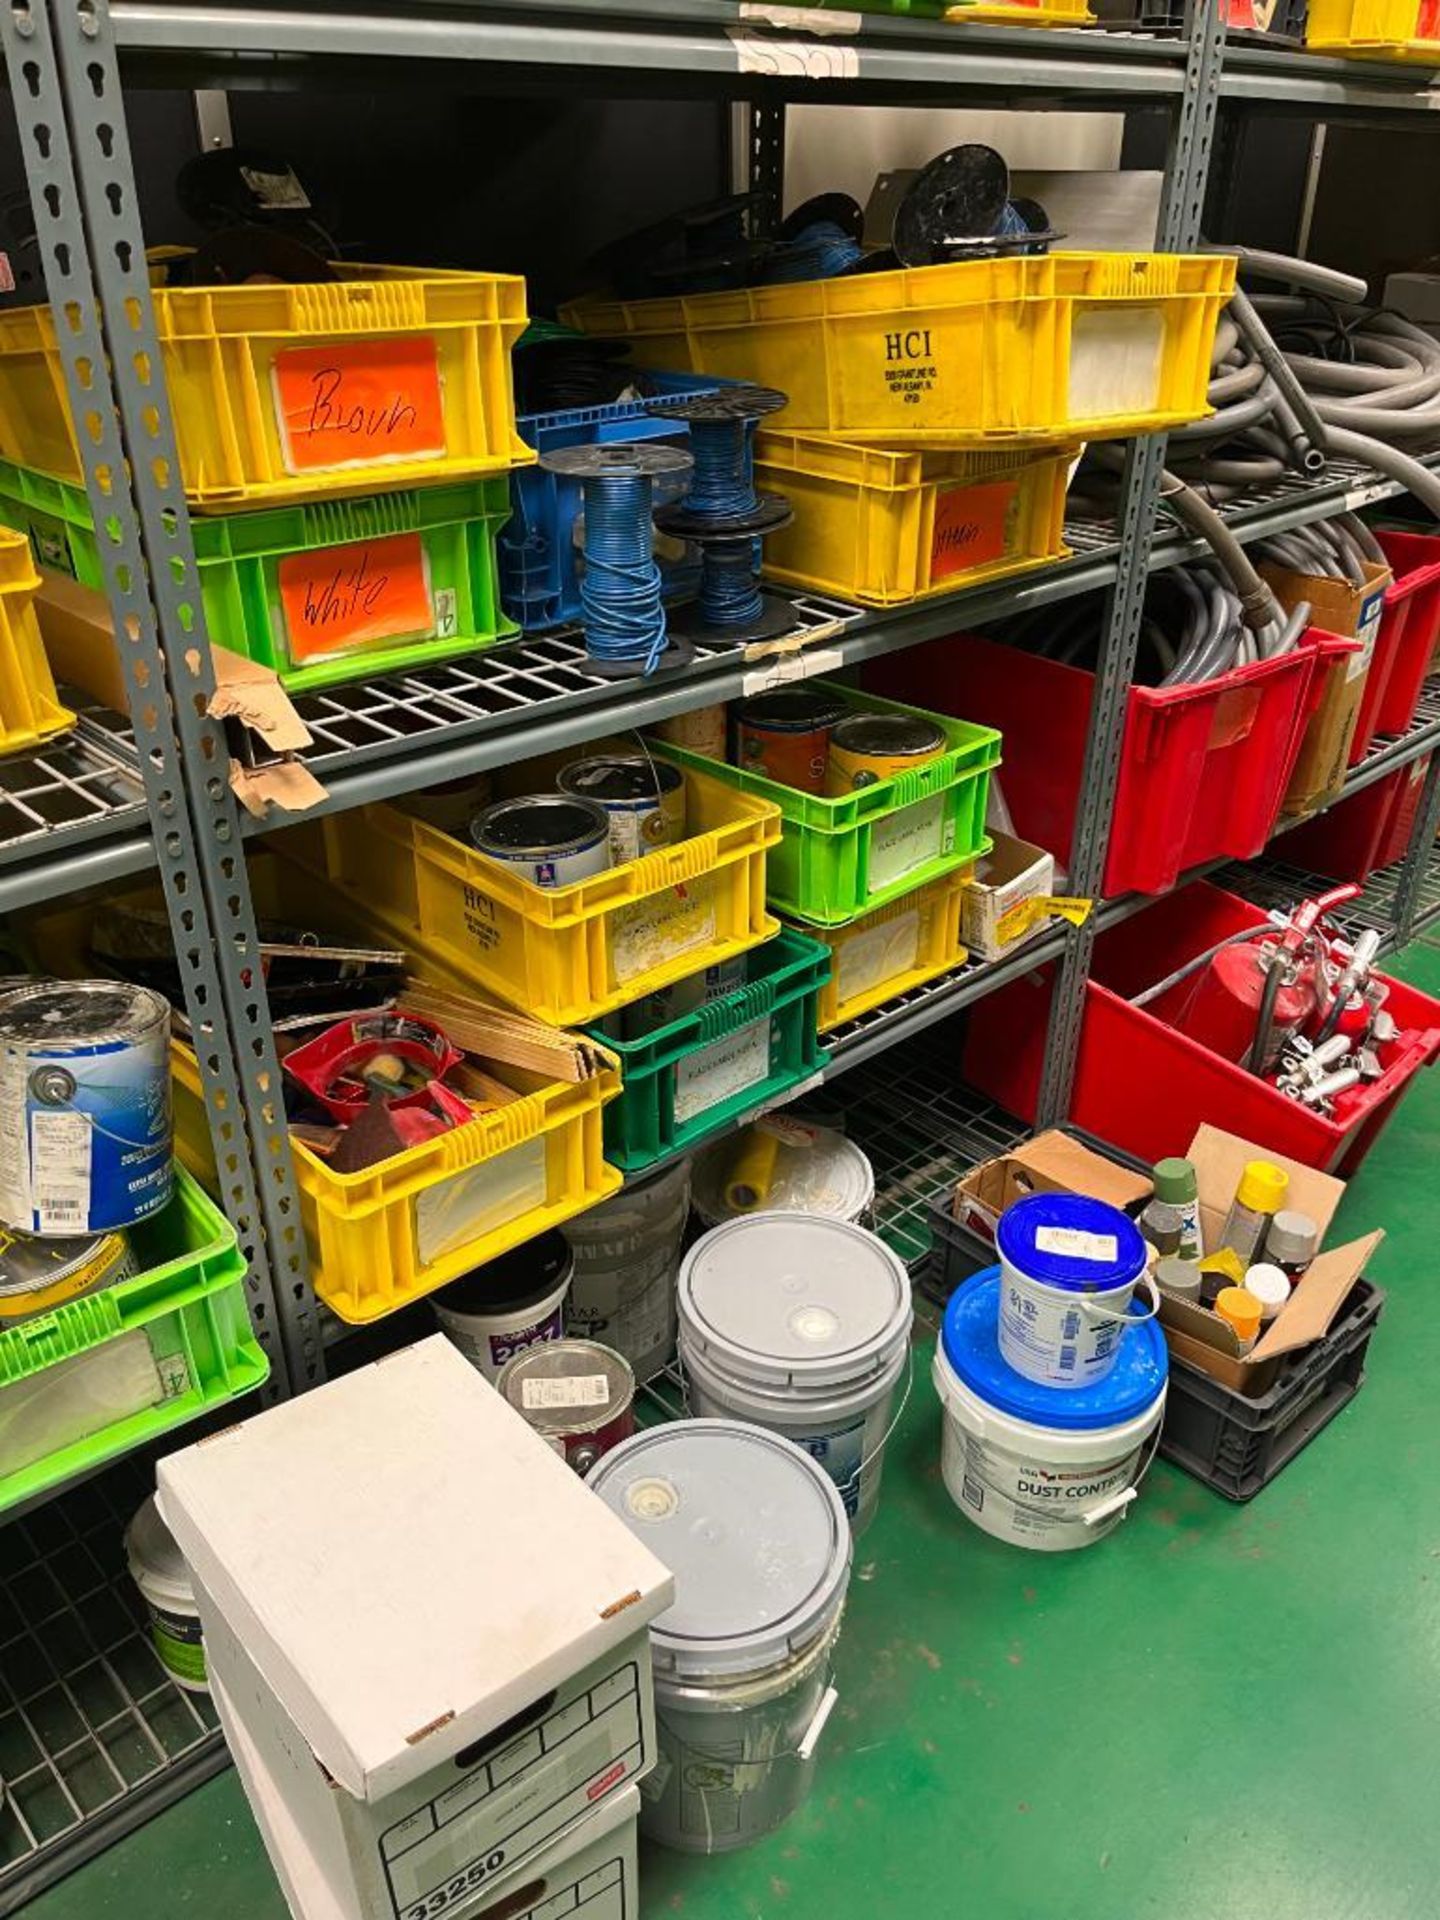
[94,1735]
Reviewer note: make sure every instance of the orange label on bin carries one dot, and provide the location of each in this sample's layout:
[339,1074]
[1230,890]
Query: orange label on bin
[340,599]
[354,402]
[971,527]
[1427,23]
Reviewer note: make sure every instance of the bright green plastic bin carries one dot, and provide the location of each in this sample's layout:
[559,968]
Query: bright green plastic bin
[840,858]
[240,556]
[187,1305]
[692,1077]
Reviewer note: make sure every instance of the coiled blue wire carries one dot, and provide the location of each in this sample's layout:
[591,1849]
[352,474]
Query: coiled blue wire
[817,252]
[722,481]
[729,591]
[622,612]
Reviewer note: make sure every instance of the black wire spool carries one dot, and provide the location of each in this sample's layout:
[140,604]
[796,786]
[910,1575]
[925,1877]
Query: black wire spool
[702,249]
[959,208]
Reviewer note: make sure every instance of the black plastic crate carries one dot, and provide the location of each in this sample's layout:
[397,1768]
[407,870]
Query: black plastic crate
[1237,1446]
[1233,1444]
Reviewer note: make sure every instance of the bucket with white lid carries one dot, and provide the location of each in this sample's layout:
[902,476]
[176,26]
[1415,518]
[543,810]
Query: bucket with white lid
[757,1540]
[1070,1267]
[801,1324]
[517,1301]
[815,1170]
[159,1570]
[1039,1466]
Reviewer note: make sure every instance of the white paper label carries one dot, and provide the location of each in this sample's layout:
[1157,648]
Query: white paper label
[1076,1245]
[908,839]
[475,1200]
[791,666]
[1115,359]
[447,613]
[659,928]
[583,1390]
[60,1164]
[15,1207]
[1366,630]
[717,1072]
[801,19]
[792,59]
[867,959]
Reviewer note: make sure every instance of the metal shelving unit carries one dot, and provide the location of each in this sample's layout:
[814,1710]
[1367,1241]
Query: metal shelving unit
[91,1743]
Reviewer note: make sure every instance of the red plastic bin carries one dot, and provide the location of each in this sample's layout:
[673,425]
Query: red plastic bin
[1409,630]
[1144,1086]
[1203,769]
[1365,832]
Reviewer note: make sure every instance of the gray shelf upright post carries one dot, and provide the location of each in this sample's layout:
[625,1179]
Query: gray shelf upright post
[1417,854]
[767,159]
[65,84]
[1192,129]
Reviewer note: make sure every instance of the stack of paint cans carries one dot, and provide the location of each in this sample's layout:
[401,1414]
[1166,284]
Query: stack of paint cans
[85,1136]
[810,739]
[607,809]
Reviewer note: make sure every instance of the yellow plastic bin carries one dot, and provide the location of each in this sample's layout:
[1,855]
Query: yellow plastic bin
[889,527]
[886,953]
[565,954]
[382,379]
[383,1237]
[30,709]
[1376,29]
[1056,347]
[1020,13]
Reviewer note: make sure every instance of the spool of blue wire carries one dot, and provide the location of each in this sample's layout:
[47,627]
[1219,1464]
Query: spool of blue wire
[819,251]
[622,612]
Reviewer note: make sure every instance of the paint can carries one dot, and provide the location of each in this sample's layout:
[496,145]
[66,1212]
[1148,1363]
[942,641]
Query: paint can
[702,731]
[452,804]
[509,1304]
[655,1010]
[643,799]
[549,839]
[816,1170]
[800,1324]
[85,1127]
[159,1570]
[758,1544]
[785,735]
[627,1256]
[36,1276]
[868,747]
[1049,1468]
[577,1395]
[1071,1266]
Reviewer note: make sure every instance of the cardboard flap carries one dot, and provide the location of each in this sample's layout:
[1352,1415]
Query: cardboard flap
[1219,1159]
[1198,1323]
[1308,1314]
[286,784]
[1070,1163]
[252,694]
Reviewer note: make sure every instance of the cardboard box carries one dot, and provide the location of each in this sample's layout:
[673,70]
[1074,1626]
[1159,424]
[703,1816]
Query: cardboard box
[1053,1162]
[1353,613]
[1195,1334]
[434,1638]
[998,908]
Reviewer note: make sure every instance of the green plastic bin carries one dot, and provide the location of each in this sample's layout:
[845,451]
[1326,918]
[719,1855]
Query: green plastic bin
[185,1318]
[840,858]
[345,562]
[693,1076]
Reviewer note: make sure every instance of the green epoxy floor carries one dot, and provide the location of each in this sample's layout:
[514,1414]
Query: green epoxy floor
[1228,1712]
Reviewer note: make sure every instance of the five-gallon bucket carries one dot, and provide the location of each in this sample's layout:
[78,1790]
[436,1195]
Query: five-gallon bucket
[508,1304]
[627,1254]
[158,1569]
[1041,1466]
[801,1168]
[801,1324]
[1070,1266]
[756,1538]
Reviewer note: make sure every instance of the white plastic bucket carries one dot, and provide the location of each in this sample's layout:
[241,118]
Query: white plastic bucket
[756,1538]
[158,1569]
[816,1171]
[800,1324]
[1036,1466]
[509,1304]
[1071,1265]
[627,1255]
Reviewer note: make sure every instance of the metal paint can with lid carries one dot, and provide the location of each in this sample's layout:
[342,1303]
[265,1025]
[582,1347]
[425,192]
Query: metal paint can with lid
[577,1395]
[37,1276]
[549,839]
[756,1538]
[784,735]
[868,747]
[643,799]
[85,1125]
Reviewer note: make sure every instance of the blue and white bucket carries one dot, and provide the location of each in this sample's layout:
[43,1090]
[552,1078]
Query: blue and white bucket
[85,1129]
[1042,1467]
[1069,1268]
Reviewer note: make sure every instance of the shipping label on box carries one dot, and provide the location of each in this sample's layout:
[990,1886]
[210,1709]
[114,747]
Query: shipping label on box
[1000,904]
[448,1841]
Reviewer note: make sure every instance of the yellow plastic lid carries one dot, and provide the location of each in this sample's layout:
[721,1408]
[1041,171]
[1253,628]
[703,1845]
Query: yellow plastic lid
[1241,1309]
[1263,1186]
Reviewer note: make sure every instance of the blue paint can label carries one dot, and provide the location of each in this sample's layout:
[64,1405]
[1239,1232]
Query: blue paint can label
[85,1126]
